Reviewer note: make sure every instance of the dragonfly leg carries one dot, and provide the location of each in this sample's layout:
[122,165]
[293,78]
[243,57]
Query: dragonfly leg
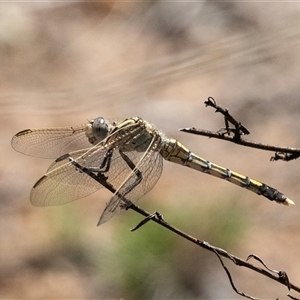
[136,171]
[101,178]
[105,164]
[106,161]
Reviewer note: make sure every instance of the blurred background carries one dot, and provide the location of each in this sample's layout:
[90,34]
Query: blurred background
[63,63]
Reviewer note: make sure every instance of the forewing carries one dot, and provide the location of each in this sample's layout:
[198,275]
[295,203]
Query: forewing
[51,142]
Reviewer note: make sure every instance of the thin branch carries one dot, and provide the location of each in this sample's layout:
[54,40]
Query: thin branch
[158,218]
[285,156]
[239,128]
[281,153]
[242,142]
[292,297]
[281,274]
[231,281]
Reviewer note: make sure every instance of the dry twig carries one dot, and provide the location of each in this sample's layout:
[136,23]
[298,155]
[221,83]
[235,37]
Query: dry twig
[281,153]
[158,218]
[238,130]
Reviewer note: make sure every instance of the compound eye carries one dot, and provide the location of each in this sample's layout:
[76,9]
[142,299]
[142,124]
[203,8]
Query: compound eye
[100,129]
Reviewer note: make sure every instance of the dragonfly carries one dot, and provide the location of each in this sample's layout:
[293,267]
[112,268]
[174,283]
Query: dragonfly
[125,157]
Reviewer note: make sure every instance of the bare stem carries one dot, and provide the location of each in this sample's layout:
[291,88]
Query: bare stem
[281,153]
[272,274]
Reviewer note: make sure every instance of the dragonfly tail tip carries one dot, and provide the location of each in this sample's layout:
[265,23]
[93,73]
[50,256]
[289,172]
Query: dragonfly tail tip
[288,202]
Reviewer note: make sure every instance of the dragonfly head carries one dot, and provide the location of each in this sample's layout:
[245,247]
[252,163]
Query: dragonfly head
[97,130]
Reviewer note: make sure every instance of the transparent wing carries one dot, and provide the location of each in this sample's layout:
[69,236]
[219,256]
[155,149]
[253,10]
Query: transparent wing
[64,159]
[150,165]
[64,183]
[51,142]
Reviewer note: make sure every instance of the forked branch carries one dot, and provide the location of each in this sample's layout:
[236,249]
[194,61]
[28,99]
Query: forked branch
[238,130]
[281,153]
[279,276]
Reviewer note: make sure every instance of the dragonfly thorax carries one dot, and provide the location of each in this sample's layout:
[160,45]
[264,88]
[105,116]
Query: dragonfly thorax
[139,143]
[136,134]
[97,130]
